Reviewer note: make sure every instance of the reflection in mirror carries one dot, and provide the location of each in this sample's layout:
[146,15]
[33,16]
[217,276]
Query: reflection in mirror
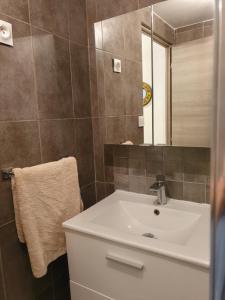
[120,94]
[155,86]
[183,102]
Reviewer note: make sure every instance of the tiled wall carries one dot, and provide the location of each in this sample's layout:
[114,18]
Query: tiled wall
[103,9]
[105,131]
[117,98]
[45,114]
[134,168]
[194,32]
[120,94]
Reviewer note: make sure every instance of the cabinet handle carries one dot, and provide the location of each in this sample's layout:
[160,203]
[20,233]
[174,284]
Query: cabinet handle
[122,260]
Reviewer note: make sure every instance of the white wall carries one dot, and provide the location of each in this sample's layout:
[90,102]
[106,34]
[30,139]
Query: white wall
[192,92]
[160,93]
[147,77]
[160,90]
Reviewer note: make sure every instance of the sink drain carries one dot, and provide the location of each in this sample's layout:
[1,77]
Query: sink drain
[149,235]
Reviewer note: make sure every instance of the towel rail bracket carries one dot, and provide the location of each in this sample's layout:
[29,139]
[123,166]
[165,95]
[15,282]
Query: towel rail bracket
[7,174]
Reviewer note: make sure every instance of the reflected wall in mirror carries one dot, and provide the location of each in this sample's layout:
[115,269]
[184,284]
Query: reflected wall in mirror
[120,94]
[184,99]
[162,94]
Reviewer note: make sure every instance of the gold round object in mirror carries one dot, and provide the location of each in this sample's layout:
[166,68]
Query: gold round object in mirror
[147,93]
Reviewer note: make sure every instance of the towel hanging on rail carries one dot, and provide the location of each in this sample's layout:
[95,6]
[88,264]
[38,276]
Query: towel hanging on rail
[44,197]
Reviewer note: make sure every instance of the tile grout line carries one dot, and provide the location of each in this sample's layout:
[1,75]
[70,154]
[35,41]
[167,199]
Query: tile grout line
[45,119]
[7,223]
[35,88]
[72,88]
[90,99]
[29,23]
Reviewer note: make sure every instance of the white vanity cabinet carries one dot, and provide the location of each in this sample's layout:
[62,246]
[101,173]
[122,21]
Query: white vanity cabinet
[101,269]
[109,258]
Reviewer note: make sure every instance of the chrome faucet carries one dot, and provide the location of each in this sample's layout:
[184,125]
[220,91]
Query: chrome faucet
[159,188]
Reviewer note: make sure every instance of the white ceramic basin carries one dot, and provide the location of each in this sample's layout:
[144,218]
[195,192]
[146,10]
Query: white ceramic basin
[181,229]
[162,223]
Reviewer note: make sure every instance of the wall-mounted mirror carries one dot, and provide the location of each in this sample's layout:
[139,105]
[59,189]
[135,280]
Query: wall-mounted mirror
[155,74]
[182,72]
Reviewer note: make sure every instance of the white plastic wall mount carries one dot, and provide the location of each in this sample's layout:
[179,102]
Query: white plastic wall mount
[6,36]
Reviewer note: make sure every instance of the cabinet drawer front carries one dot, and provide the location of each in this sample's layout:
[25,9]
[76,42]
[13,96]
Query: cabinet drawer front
[125,273]
[79,292]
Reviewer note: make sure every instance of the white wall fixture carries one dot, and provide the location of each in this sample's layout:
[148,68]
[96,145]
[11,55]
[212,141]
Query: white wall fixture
[117,65]
[141,121]
[6,36]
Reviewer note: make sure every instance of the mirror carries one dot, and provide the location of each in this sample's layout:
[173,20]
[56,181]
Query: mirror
[182,72]
[155,74]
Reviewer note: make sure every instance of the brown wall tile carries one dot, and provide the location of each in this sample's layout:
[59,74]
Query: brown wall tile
[2,287]
[88,195]
[80,80]
[15,8]
[208,28]
[149,161]
[113,35]
[189,33]
[16,265]
[109,163]
[6,203]
[47,294]
[52,65]
[115,130]
[144,3]
[132,36]
[194,192]
[133,88]
[20,145]
[138,184]
[78,22]
[110,188]
[50,15]
[17,101]
[163,30]
[84,136]
[174,189]
[99,135]
[57,139]
[154,168]
[174,170]
[114,92]
[133,132]
[100,76]
[121,182]
[121,165]
[155,153]
[62,289]
[196,165]
[137,167]
[107,9]
[86,170]
[137,152]
[36,73]
[100,190]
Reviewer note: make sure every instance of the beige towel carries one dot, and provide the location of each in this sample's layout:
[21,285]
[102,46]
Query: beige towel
[44,197]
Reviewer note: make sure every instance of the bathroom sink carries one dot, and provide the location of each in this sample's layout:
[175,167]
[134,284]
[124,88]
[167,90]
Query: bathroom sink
[159,222]
[180,229]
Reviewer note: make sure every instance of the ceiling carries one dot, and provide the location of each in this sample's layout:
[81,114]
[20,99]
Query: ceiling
[179,13]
